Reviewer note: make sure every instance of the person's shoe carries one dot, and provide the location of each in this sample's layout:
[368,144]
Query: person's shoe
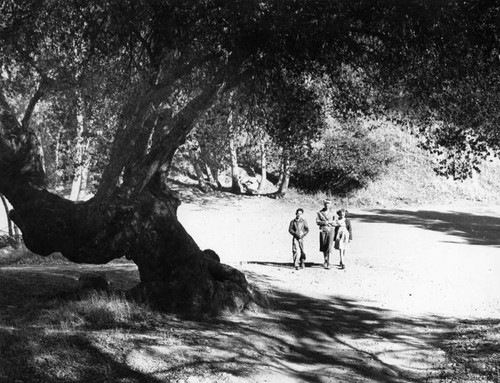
[302,265]
[342,266]
[296,267]
[327,265]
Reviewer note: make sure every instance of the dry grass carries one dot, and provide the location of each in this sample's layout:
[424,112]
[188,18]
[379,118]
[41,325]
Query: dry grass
[105,338]
[473,349]
[411,180]
[99,311]
[59,339]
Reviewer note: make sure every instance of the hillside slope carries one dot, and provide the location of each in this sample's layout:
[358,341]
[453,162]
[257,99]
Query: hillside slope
[411,180]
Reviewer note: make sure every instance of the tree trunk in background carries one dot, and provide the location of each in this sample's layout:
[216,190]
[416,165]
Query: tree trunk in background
[213,176]
[80,180]
[9,221]
[211,168]
[196,162]
[235,169]
[285,178]
[82,163]
[84,180]
[57,157]
[263,165]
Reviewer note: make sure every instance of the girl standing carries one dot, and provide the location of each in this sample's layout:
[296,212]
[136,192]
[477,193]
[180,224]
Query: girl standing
[343,235]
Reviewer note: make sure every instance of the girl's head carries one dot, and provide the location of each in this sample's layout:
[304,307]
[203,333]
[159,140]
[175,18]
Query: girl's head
[342,213]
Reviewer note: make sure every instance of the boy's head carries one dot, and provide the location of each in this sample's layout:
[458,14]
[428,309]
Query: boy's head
[327,203]
[299,212]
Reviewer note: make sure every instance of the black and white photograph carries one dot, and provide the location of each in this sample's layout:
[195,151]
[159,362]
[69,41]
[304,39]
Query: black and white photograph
[226,191]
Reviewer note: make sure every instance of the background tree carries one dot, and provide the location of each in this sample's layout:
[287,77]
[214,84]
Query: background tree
[164,64]
[296,120]
[345,160]
[451,93]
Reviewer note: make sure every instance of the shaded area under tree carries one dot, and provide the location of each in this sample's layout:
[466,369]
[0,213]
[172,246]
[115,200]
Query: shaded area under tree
[301,338]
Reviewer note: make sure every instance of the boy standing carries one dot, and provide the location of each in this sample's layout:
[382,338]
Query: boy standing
[298,229]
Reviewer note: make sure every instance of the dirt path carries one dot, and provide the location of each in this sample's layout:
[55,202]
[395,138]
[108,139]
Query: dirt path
[430,260]
[411,273]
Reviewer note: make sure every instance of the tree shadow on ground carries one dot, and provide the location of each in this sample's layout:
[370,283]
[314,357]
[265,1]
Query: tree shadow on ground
[476,229]
[299,338]
[85,362]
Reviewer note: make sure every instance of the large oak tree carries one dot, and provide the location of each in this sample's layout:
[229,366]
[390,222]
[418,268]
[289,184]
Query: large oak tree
[164,64]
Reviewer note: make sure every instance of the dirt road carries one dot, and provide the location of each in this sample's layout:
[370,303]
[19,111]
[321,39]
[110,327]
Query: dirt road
[411,273]
[430,260]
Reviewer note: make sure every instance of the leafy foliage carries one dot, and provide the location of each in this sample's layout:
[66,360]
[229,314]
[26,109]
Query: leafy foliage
[420,56]
[347,160]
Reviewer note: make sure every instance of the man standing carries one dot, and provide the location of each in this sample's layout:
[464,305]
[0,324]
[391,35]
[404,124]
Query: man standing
[326,222]
[298,229]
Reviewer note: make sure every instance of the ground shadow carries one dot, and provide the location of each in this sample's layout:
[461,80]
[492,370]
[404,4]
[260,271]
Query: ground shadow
[288,265]
[476,229]
[88,362]
[298,337]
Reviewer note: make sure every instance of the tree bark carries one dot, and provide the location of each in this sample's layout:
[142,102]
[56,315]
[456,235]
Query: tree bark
[211,169]
[9,222]
[137,219]
[176,275]
[235,169]
[263,166]
[285,179]
[81,160]
[196,162]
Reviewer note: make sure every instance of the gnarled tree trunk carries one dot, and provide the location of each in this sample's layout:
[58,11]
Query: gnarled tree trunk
[136,219]
[176,275]
[285,174]
[263,166]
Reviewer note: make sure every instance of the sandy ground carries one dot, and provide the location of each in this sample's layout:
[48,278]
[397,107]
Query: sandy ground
[411,274]
[429,260]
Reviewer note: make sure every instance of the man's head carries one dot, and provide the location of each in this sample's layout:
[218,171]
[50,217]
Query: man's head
[327,203]
[299,212]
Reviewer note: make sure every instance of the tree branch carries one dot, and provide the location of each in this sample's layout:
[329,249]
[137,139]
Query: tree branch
[31,105]
[20,160]
[134,118]
[161,154]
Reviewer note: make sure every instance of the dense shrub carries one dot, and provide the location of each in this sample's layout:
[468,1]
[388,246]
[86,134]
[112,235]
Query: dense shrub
[346,160]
